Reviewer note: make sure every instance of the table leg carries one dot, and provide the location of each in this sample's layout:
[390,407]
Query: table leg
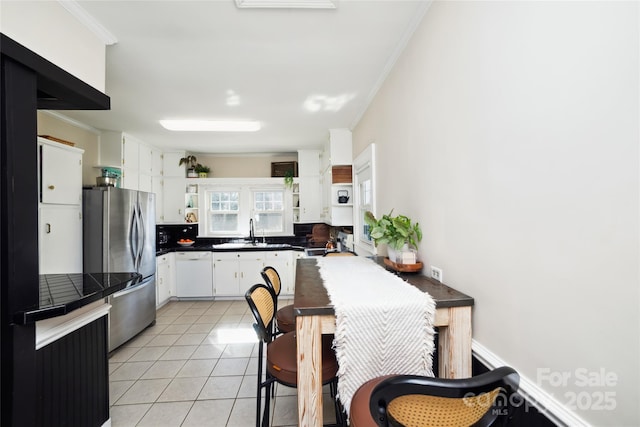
[309,343]
[455,344]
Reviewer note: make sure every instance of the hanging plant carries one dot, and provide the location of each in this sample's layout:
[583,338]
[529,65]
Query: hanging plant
[288,179]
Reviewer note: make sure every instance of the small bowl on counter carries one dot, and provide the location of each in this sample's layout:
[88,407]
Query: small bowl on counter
[186,242]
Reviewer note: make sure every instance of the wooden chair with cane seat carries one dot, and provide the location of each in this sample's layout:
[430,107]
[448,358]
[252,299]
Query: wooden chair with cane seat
[282,365]
[285,320]
[416,401]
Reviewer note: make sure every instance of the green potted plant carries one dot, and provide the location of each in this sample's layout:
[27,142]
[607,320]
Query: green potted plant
[398,232]
[191,162]
[202,170]
[288,178]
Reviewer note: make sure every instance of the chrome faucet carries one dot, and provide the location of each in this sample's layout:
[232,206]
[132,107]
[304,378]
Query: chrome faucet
[252,236]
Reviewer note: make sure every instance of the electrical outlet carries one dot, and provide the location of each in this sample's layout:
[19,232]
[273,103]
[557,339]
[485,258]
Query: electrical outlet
[436,273]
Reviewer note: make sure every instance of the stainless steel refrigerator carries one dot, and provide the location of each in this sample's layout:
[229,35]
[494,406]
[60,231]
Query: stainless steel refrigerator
[119,236]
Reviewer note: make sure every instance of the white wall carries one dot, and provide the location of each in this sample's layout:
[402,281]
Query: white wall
[242,166]
[509,130]
[49,30]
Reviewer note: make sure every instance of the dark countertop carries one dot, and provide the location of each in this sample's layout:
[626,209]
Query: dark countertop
[217,248]
[62,293]
[313,299]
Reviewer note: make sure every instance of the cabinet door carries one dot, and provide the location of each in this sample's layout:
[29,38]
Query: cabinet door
[281,261]
[156,162]
[173,203]
[309,162]
[156,188]
[170,165]
[225,275]
[60,239]
[130,178]
[145,183]
[145,161]
[163,279]
[250,266]
[130,153]
[61,179]
[310,203]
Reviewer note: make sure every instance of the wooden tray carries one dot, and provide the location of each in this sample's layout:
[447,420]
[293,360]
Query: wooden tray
[403,268]
[61,141]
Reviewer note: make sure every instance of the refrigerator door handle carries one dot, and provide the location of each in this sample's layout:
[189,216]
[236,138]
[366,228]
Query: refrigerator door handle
[141,235]
[133,232]
[138,246]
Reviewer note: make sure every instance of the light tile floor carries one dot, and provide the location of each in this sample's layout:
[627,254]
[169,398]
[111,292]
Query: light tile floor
[196,366]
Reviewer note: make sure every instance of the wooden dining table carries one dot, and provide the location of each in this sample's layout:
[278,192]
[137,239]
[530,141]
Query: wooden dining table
[316,316]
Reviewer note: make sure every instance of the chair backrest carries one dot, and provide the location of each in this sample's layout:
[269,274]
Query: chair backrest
[272,279]
[345,253]
[413,401]
[262,305]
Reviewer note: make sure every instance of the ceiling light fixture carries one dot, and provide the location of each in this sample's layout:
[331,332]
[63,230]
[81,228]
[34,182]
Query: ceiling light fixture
[287,4]
[211,125]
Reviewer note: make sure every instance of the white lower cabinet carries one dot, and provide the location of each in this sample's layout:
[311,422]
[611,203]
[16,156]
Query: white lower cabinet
[236,272]
[165,280]
[282,261]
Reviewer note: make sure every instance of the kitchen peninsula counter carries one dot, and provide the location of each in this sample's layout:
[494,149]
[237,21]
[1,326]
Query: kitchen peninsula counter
[60,294]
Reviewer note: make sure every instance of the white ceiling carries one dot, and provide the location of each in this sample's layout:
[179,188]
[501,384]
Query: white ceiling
[299,72]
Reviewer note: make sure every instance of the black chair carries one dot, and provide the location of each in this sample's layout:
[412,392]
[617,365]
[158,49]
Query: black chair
[282,364]
[285,319]
[416,401]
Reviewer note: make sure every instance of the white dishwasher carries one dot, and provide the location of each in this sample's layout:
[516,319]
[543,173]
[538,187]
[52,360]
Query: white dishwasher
[194,274]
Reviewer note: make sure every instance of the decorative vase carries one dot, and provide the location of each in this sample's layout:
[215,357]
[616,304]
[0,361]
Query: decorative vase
[406,255]
[202,175]
[191,173]
[392,254]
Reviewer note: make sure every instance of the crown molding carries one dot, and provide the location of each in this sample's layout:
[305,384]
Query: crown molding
[411,28]
[89,21]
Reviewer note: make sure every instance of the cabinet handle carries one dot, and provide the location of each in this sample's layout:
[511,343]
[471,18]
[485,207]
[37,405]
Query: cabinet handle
[52,187]
[242,274]
[48,228]
[235,275]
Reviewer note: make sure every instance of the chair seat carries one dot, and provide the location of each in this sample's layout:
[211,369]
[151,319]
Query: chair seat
[360,415]
[282,362]
[285,319]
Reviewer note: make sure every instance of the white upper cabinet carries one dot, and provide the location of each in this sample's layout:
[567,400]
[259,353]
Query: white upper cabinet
[170,162]
[61,176]
[338,148]
[310,205]
[134,157]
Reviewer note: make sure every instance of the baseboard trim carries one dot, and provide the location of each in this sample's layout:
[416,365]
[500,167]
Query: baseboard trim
[535,396]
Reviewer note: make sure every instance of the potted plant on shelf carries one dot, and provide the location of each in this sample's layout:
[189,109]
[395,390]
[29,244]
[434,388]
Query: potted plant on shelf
[399,233]
[288,178]
[202,170]
[191,163]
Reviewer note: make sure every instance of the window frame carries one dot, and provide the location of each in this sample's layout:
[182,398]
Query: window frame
[246,188]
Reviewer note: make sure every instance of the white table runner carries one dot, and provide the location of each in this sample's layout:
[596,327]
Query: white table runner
[383,324]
